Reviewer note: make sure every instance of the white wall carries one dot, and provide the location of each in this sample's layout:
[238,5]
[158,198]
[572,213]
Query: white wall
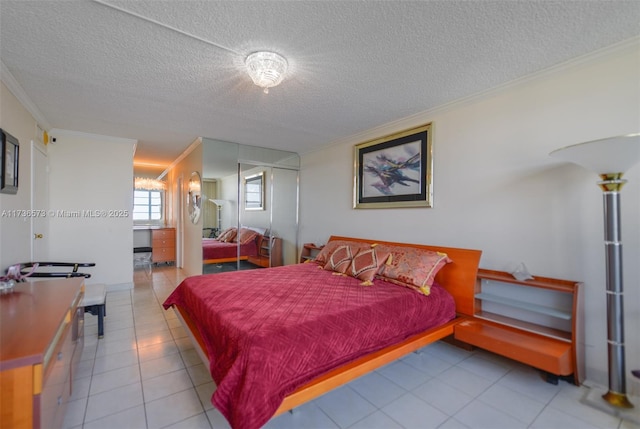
[229,192]
[15,232]
[178,177]
[93,173]
[285,212]
[496,188]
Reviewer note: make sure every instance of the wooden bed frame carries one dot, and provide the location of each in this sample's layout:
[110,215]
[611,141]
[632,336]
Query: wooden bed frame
[223,260]
[458,278]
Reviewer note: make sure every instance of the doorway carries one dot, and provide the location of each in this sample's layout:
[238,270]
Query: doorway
[39,202]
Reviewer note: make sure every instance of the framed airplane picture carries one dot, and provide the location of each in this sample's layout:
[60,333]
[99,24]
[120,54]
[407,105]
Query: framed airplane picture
[394,171]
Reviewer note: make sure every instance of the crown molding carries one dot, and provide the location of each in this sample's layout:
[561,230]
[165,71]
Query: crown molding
[17,90]
[58,132]
[183,155]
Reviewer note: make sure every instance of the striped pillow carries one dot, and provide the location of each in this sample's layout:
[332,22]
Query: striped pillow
[366,263]
[340,259]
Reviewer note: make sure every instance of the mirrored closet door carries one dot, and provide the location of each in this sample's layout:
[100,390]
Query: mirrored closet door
[255,191]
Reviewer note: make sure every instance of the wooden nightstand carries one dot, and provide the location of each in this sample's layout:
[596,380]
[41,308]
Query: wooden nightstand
[269,252]
[536,322]
[309,251]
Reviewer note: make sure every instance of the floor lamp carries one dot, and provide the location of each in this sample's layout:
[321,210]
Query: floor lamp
[610,158]
[219,204]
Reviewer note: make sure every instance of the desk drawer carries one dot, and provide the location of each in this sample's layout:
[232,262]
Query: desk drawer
[163,254]
[163,242]
[163,234]
[56,388]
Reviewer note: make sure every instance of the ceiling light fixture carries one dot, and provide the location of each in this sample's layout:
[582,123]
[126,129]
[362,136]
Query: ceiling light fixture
[148,184]
[267,69]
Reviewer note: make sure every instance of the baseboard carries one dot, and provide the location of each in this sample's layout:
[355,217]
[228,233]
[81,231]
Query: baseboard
[119,286]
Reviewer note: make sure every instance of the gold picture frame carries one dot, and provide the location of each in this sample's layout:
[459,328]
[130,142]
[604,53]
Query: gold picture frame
[394,171]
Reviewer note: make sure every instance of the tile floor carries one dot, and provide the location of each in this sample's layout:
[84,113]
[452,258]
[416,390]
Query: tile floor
[144,374]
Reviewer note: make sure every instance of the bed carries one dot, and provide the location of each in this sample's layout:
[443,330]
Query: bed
[277,338]
[217,250]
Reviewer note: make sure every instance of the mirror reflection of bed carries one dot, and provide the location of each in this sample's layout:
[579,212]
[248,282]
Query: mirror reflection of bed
[241,248]
[266,204]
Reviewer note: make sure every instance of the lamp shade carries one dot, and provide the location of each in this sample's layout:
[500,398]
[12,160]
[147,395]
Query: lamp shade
[606,156]
[219,203]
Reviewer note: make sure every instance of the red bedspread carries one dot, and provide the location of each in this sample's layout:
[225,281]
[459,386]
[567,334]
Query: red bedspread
[267,332]
[214,249]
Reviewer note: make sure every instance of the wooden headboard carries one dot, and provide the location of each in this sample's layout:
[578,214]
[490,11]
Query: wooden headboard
[458,277]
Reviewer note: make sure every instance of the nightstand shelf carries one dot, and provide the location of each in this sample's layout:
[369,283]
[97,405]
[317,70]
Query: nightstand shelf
[536,322]
[269,252]
[309,251]
[524,305]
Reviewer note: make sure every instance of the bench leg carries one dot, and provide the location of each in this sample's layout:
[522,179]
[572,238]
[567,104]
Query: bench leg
[101,321]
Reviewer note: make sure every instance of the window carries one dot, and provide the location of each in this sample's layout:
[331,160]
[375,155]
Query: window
[147,205]
[254,192]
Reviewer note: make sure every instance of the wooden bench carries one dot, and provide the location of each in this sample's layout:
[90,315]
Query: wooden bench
[94,302]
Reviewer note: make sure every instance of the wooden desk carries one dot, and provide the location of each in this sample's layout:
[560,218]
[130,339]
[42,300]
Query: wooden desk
[41,341]
[163,243]
[161,240]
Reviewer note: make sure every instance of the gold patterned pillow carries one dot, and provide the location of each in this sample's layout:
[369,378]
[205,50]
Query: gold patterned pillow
[228,235]
[246,235]
[412,267]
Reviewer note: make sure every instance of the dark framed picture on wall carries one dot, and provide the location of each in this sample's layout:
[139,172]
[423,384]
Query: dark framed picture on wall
[9,163]
[395,171]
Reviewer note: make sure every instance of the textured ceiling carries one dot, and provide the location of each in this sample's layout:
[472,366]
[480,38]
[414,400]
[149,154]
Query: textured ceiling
[166,72]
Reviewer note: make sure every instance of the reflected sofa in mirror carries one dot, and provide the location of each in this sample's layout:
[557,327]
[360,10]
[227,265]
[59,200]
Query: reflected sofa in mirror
[266,234]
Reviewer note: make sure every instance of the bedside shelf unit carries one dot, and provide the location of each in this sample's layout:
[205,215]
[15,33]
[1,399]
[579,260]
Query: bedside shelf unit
[309,251]
[269,252]
[537,322]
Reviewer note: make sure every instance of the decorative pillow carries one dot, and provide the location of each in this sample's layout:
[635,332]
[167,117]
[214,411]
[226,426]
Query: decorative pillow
[228,235]
[412,267]
[246,235]
[231,238]
[340,259]
[323,256]
[366,264]
[220,236]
